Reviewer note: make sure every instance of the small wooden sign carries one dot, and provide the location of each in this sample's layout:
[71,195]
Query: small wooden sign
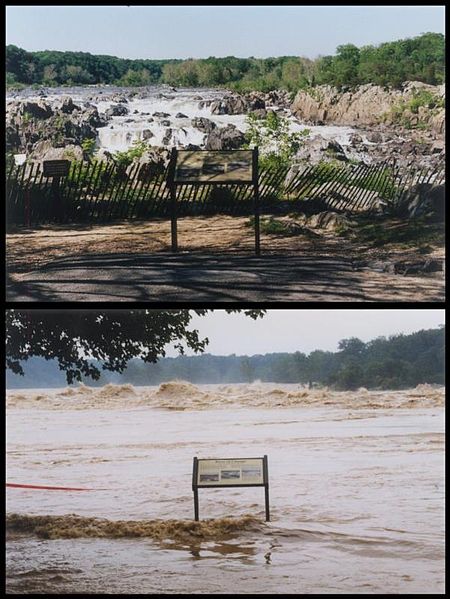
[56,168]
[230,472]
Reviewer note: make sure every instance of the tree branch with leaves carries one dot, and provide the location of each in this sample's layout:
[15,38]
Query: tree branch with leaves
[75,338]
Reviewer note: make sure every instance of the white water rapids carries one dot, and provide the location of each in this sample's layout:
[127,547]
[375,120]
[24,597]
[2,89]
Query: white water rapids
[123,131]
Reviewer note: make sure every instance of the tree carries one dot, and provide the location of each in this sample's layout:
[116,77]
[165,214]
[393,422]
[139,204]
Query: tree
[271,134]
[112,337]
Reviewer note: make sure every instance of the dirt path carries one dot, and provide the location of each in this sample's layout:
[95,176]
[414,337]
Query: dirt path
[131,261]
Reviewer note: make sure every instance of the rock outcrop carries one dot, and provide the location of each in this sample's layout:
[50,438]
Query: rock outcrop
[28,123]
[368,105]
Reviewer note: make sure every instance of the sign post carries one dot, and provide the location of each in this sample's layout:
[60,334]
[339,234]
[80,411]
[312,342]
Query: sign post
[231,472]
[256,201]
[213,167]
[173,200]
[56,169]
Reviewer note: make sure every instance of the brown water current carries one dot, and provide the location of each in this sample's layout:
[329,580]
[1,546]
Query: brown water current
[356,490]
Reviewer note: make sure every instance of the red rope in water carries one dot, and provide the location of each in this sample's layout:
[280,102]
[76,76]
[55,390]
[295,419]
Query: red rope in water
[49,488]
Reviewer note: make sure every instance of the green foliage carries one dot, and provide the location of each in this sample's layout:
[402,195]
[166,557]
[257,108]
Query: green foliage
[420,58]
[124,159]
[27,117]
[402,112]
[271,134]
[88,146]
[415,59]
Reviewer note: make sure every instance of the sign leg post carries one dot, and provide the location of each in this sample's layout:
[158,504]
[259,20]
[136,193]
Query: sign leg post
[27,209]
[266,491]
[173,194]
[196,505]
[256,201]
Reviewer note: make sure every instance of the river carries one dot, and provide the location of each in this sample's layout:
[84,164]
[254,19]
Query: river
[356,490]
[123,131]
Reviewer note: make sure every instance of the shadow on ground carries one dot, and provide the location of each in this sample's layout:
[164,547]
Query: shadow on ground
[218,278]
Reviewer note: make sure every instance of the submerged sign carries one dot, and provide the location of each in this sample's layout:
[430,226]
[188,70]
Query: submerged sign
[200,166]
[231,472]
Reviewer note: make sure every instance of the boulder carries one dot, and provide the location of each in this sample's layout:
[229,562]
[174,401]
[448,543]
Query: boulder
[318,148]
[94,119]
[162,115]
[375,137]
[147,134]
[229,105]
[120,99]
[68,106]
[203,124]
[438,147]
[45,150]
[225,138]
[117,110]
[39,110]
[328,220]
[424,198]
[167,136]
[180,115]
[204,104]
[355,139]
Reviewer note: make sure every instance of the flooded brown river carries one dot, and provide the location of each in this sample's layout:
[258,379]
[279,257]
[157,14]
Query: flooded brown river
[356,490]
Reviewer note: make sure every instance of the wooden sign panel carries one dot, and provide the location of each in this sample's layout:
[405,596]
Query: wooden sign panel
[232,472]
[56,168]
[218,166]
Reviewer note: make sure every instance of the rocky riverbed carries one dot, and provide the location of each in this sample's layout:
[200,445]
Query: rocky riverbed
[54,123]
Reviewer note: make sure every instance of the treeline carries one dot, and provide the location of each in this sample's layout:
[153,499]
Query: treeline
[389,64]
[395,362]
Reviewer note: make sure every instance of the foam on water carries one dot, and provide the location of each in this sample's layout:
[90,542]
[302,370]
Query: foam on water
[71,526]
[182,395]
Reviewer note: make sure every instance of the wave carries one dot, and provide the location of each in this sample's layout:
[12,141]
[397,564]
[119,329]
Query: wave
[182,395]
[71,526]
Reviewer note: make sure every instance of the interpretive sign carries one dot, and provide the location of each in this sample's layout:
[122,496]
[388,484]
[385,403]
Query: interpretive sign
[213,167]
[230,472]
[232,166]
[56,168]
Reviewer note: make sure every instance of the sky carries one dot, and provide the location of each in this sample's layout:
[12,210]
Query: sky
[305,330]
[202,31]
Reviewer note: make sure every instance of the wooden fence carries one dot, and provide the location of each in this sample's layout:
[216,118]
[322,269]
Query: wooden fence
[99,192]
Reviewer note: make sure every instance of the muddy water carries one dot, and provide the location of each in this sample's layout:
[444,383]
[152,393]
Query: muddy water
[357,490]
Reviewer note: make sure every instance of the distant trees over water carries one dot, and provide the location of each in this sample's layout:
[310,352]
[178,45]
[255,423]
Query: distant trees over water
[395,362]
[389,64]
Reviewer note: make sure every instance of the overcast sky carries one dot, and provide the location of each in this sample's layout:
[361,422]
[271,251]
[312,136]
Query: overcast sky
[306,330]
[202,31]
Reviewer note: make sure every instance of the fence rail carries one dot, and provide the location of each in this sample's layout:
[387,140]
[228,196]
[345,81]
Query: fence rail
[99,192]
